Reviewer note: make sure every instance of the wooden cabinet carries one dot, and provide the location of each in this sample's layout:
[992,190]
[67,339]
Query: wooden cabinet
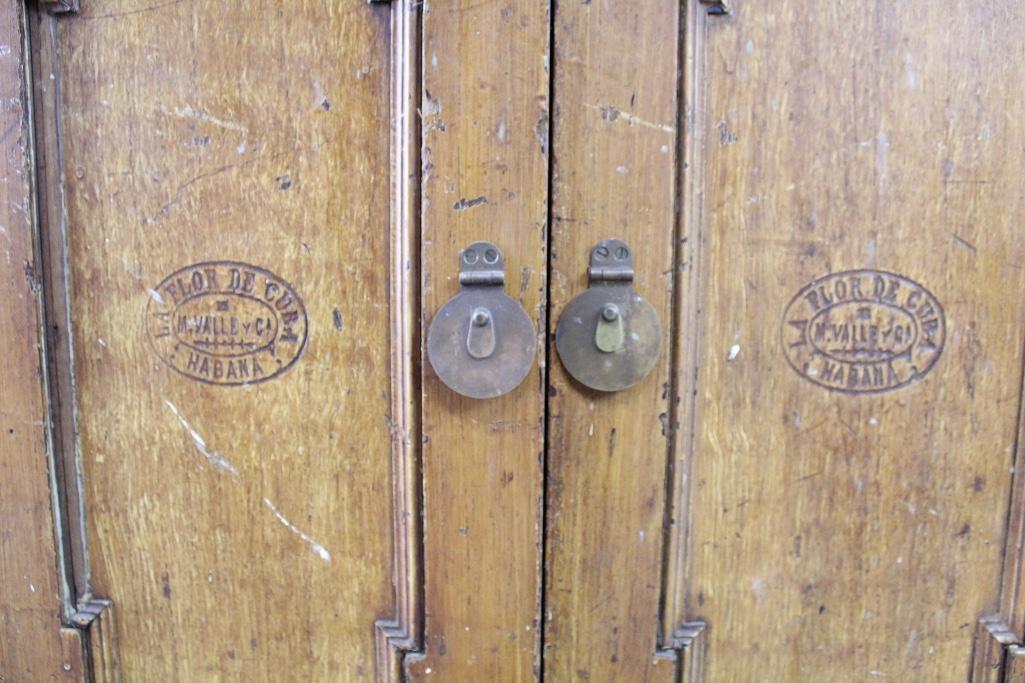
[226,229]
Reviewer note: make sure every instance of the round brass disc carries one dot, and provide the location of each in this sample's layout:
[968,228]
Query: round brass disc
[505,368]
[594,368]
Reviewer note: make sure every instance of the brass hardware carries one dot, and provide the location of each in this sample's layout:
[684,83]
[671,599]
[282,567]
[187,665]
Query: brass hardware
[481,343]
[608,337]
[608,334]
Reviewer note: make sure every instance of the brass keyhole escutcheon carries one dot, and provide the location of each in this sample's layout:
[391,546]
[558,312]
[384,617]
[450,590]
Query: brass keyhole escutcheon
[481,343]
[608,337]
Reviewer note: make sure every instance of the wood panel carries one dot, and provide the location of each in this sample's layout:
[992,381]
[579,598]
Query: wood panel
[485,139]
[30,600]
[614,175]
[836,533]
[244,531]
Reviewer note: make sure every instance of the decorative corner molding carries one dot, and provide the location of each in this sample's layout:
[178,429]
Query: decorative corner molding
[991,653]
[394,643]
[396,637]
[687,647]
[93,628]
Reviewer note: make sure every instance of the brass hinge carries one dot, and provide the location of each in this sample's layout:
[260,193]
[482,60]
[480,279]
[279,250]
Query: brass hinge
[59,6]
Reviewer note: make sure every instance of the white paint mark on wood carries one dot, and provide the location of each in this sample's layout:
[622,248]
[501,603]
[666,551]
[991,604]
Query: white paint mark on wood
[321,551]
[612,113]
[213,457]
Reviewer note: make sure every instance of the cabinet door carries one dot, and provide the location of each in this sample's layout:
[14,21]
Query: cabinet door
[229,227]
[215,206]
[828,448]
[859,348]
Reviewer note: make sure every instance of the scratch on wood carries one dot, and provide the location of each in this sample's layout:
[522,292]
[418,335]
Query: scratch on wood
[963,242]
[213,457]
[612,113]
[179,194]
[141,10]
[317,548]
[187,112]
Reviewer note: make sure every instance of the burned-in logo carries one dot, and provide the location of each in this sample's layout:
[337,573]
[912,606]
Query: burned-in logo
[863,331]
[226,323]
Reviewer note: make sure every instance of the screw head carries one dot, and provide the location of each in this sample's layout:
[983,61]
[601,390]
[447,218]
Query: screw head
[481,317]
[610,312]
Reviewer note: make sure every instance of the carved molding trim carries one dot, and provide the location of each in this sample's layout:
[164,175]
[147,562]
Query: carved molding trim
[91,643]
[403,633]
[993,639]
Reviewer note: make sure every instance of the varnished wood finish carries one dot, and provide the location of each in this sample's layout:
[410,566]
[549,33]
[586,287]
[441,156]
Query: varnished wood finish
[400,632]
[485,129]
[615,151]
[838,536]
[727,519]
[243,532]
[30,605]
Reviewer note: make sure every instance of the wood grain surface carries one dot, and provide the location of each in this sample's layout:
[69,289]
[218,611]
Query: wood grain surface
[244,532]
[786,174]
[30,600]
[837,535]
[614,175]
[485,140]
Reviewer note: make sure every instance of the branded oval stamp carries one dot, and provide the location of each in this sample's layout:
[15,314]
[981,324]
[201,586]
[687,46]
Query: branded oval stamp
[863,331]
[226,323]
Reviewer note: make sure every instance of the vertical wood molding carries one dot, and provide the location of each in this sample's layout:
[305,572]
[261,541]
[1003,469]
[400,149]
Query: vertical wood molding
[1012,598]
[687,333]
[59,376]
[402,633]
[32,646]
[88,640]
[997,647]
